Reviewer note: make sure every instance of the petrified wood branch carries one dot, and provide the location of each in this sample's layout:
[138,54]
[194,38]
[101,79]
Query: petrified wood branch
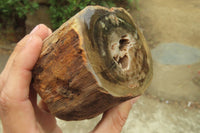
[94,61]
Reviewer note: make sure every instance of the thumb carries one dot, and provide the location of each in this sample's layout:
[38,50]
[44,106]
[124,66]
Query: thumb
[114,119]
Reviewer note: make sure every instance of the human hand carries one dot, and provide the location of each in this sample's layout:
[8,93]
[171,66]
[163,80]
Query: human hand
[114,119]
[19,110]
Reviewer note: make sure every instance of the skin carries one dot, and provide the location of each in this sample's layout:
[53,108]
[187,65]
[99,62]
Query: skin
[19,111]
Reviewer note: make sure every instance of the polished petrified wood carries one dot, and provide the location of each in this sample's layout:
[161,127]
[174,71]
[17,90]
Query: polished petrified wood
[94,61]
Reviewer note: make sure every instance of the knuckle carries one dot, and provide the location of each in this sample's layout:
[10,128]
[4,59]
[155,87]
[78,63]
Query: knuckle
[36,37]
[119,121]
[3,103]
[15,64]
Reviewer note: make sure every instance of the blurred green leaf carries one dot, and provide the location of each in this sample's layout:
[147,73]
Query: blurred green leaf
[60,10]
[10,9]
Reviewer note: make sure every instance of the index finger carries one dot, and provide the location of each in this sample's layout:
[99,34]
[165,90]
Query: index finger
[17,72]
[40,30]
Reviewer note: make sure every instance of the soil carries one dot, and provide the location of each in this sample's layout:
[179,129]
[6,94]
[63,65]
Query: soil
[169,21]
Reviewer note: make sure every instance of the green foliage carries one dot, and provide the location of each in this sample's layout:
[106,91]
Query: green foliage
[60,10]
[64,9]
[136,4]
[12,9]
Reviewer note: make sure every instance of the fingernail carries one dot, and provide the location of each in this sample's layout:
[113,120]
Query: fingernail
[35,29]
[134,100]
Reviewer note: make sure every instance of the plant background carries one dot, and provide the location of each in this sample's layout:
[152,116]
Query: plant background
[15,13]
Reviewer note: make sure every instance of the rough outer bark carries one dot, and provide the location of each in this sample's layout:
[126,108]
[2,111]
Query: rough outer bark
[94,61]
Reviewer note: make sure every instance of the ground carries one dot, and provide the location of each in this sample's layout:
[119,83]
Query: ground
[169,21]
[162,21]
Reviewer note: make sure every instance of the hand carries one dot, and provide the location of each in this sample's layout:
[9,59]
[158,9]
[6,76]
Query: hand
[19,110]
[114,119]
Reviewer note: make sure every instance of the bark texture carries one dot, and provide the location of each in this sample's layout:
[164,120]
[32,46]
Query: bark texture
[94,61]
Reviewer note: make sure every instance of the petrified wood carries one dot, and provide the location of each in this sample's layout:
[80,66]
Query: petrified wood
[96,60]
